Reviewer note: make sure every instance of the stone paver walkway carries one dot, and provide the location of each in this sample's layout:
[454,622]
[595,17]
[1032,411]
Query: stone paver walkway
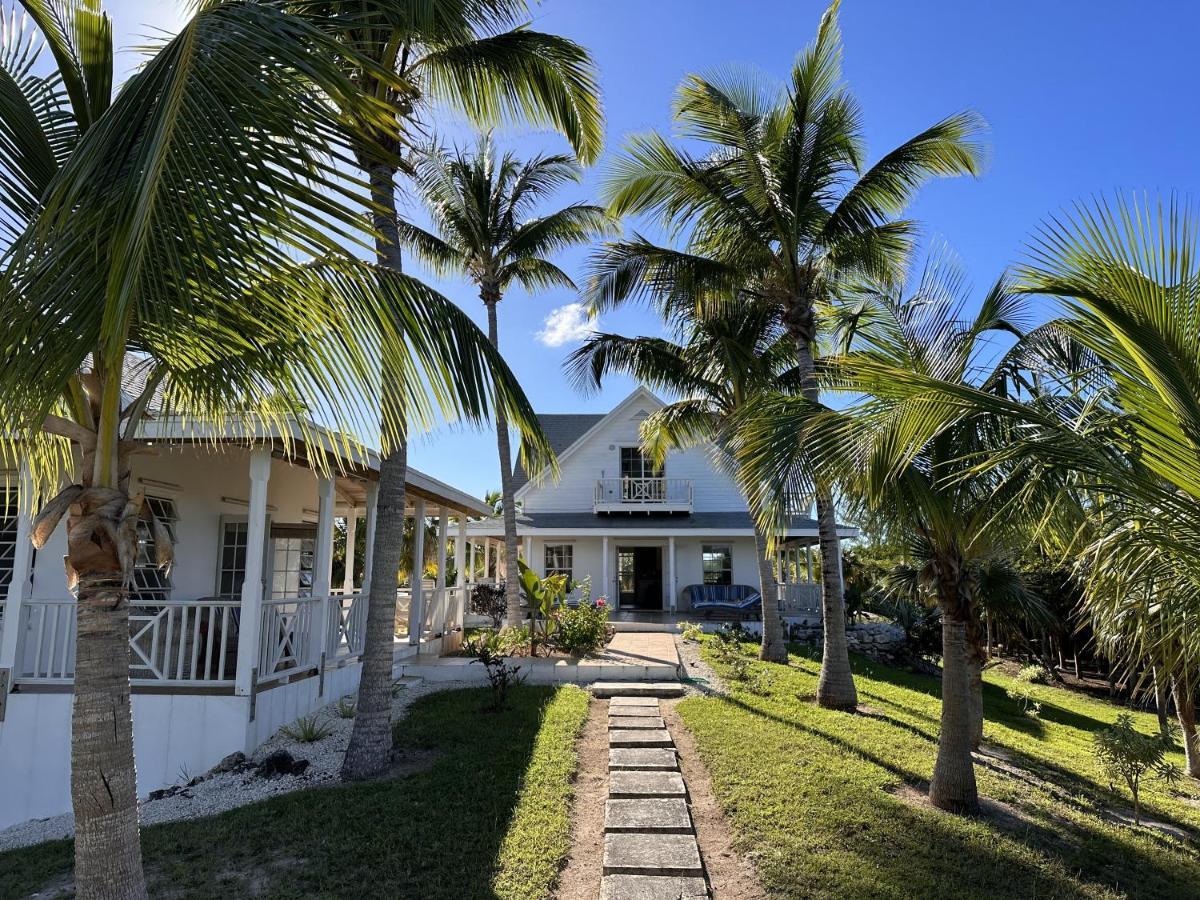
[650,849]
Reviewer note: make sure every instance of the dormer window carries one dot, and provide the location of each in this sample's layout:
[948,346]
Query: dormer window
[635,464]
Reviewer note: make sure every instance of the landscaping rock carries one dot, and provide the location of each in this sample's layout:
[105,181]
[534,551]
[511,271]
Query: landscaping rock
[230,763]
[643,758]
[652,887]
[652,854]
[663,815]
[629,785]
[281,763]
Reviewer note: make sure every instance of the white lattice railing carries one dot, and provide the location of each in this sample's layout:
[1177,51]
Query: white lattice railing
[347,619]
[672,493]
[800,596]
[286,639]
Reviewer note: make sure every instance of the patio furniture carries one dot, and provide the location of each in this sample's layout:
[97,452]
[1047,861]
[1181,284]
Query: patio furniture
[737,599]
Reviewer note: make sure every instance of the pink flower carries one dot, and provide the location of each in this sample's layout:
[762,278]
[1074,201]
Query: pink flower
[601,602]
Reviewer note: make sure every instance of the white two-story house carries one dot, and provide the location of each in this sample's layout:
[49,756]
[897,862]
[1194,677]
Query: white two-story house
[647,536]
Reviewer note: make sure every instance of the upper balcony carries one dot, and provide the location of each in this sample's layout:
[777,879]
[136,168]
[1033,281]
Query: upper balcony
[671,495]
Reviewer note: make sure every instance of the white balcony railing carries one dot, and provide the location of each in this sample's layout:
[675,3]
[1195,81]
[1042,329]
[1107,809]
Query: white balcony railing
[643,494]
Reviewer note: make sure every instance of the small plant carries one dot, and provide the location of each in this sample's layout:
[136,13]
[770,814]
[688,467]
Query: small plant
[1021,689]
[543,596]
[759,682]
[346,708]
[1034,674]
[501,676]
[308,730]
[1127,755]
[582,630]
[514,640]
[488,600]
[691,631]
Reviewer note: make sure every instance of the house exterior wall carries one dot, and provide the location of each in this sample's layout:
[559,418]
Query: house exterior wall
[574,491]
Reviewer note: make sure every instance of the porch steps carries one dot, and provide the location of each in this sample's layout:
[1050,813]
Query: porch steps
[637,689]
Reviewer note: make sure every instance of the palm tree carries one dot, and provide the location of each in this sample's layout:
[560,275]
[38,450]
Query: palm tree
[150,240]
[475,56]
[777,210]
[483,209]
[724,363]
[929,494]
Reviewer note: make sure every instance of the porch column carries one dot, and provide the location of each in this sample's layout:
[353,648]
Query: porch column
[808,560]
[250,622]
[416,609]
[439,584]
[10,635]
[322,584]
[462,531]
[459,617]
[529,551]
[606,587]
[369,525]
[351,540]
[671,571]
[487,559]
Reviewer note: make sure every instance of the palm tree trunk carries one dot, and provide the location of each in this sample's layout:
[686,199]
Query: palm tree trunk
[369,752]
[512,593]
[774,646]
[1185,709]
[1161,693]
[835,688]
[953,785]
[108,850]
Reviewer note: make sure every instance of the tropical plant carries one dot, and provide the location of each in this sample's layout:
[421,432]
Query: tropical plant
[725,360]
[544,596]
[582,629]
[308,730]
[484,209]
[1019,688]
[345,708]
[488,600]
[777,210]
[1127,755]
[501,675]
[475,56]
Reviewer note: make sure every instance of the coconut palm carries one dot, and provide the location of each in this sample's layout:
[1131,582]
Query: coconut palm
[478,57]
[723,363]
[484,210]
[930,496]
[151,239]
[777,209]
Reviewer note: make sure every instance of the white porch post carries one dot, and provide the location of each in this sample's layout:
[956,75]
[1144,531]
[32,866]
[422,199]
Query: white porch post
[250,622]
[369,524]
[529,551]
[671,571]
[439,589]
[808,560]
[487,559]
[462,532]
[322,584]
[606,587]
[351,540]
[10,634]
[459,617]
[416,609]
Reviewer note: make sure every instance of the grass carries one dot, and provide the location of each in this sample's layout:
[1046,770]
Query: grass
[486,816]
[829,803]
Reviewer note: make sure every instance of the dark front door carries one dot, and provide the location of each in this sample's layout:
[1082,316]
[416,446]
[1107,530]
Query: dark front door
[639,577]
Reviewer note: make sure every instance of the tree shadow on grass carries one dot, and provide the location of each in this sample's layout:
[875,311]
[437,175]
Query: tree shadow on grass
[433,834]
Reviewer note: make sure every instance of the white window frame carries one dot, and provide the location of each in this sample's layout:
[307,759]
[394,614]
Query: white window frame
[568,556]
[712,550]
[9,513]
[150,583]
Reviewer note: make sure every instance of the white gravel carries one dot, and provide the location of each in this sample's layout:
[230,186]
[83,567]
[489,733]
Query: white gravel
[694,667]
[230,790]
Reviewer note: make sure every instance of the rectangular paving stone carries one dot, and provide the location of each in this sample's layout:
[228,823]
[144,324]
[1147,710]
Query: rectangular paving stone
[652,887]
[644,759]
[634,737]
[637,689]
[661,815]
[643,722]
[623,785]
[635,712]
[626,702]
[652,854]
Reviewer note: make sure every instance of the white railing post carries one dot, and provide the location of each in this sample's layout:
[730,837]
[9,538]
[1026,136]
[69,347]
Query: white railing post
[351,539]
[10,631]
[322,585]
[369,525]
[416,609]
[460,582]
[250,620]
[487,560]
[439,585]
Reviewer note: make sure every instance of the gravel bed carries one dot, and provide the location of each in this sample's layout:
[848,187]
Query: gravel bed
[229,790]
[694,667]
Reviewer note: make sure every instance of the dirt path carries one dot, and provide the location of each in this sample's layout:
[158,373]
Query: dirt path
[580,878]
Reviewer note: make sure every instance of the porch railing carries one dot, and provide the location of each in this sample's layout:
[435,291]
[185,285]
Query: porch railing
[286,638]
[643,493]
[347,619]
[800,597]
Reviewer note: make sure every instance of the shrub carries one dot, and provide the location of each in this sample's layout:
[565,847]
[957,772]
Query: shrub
[346,708]
[922,625]
[1127,755]
[501,676]
[308,730]
[488,600]
[582,630]
[515,640]
[1019,689]
[691,631]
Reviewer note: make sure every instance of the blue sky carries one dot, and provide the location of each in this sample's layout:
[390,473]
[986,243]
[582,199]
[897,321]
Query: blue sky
[1081,98]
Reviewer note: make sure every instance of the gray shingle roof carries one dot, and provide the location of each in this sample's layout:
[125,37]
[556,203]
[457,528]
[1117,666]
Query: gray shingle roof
[562,430]
[736,521]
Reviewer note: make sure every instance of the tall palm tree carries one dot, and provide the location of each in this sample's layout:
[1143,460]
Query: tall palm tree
[723,364]
[778,209]
[478,57]
[150,244]
[484,209]
[929,495]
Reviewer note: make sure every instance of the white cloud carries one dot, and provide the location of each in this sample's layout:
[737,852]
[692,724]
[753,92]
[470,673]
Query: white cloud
[566,324]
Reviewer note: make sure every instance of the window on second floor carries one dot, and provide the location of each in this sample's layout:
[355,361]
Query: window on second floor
[560,560]
[635,464]
[718,563]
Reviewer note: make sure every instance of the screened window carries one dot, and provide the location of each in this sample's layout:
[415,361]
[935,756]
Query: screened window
[8,534]
[150,583]
[718,564]
[232,571]
[560,560]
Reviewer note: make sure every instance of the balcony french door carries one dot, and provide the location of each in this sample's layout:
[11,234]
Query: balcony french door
[641,479]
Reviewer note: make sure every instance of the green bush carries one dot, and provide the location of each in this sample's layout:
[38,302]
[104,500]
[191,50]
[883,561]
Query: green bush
[1020,691]
[582,630]
[1127,755]
[691,631]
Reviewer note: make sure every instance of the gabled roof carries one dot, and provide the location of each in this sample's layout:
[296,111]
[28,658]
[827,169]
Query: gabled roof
[569,431]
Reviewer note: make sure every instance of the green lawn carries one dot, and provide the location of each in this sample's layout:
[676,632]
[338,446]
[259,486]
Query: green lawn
[488,819]
[812,795]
